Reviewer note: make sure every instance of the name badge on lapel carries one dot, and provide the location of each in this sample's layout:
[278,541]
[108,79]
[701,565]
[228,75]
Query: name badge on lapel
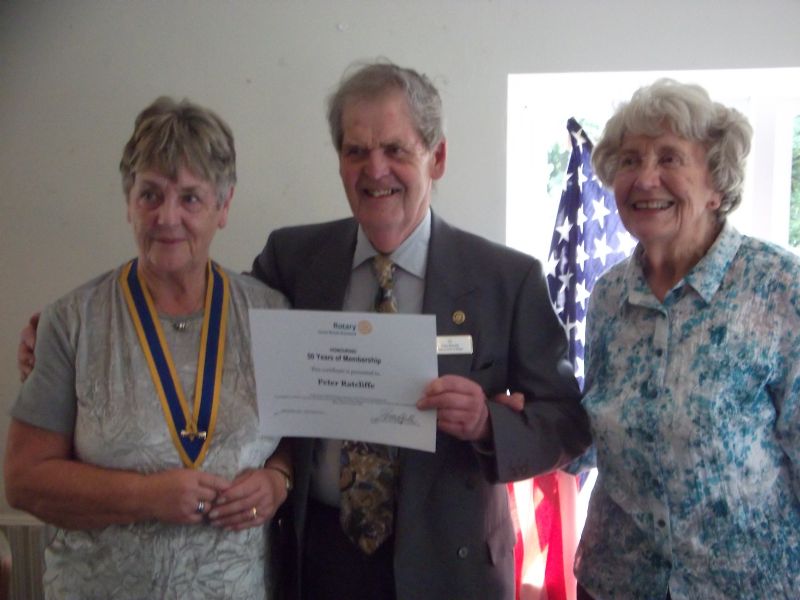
[453,344]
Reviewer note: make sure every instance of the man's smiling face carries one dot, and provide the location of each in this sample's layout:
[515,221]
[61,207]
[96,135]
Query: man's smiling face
[386,170]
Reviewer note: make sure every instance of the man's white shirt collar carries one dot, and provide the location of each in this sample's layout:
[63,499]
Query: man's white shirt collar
[411,255]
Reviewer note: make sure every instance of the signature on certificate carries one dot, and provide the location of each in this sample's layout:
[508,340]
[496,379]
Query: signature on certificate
[396,418]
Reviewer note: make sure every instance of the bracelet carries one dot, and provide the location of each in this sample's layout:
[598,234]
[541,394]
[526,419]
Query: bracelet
[286,476]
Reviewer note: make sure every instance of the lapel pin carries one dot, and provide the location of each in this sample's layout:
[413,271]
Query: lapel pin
[459,317]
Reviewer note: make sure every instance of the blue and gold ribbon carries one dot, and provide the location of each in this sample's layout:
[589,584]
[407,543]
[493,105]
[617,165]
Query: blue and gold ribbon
[191,433]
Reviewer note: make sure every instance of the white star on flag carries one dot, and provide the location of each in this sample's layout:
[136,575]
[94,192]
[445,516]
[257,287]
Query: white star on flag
[600,212]
[582,176]
[578,136]
[581,294]
[579,367]
[580,333]
[551,263]
[569,325]
[602,249]
[581,257]
[582,218]
[563,230]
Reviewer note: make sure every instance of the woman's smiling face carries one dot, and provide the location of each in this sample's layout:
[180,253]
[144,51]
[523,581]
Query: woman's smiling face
[664,192]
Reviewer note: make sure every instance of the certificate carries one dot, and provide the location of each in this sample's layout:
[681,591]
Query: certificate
[343,375]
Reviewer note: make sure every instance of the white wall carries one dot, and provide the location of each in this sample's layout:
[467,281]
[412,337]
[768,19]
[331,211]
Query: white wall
[73,75]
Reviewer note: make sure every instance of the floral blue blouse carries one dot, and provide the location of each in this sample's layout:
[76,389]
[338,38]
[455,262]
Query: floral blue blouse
[695,411]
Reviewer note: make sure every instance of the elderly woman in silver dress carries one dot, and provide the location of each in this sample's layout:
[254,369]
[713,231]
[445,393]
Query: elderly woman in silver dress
[137,433]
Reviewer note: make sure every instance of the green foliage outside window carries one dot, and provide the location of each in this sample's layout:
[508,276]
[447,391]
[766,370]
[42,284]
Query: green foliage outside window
[557,161]
[558,156]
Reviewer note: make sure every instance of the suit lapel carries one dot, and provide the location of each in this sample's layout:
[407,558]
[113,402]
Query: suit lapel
[451,293]
[322,283]
[446,278]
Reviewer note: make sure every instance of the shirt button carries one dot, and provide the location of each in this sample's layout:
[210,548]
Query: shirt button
[659,352]
[463,552]
[662,523]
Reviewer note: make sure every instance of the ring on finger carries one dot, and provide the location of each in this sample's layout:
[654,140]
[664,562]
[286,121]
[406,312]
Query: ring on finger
[201,507]
[254,513]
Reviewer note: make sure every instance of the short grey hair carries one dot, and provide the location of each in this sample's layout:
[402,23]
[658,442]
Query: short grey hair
[374,80]
[688,111]
[169,135]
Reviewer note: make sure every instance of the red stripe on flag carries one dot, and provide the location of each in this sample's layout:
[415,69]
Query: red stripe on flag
[548,524]
[519,546]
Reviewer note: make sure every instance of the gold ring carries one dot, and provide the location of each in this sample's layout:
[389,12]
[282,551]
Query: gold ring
[254,512]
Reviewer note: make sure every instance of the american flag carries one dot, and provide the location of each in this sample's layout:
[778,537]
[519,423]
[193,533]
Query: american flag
[588,238]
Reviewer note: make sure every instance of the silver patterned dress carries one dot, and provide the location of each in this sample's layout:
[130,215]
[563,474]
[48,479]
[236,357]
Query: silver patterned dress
[91,381]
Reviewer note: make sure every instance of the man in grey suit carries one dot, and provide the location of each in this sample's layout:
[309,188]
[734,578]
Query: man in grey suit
[452,536]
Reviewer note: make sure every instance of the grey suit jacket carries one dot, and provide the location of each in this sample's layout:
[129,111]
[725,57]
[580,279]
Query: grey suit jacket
[453,535]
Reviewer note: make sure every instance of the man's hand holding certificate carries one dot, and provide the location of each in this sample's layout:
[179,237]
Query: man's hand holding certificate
[342,375]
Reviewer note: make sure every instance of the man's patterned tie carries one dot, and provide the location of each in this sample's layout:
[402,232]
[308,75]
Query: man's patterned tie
[385,302]
[368,475]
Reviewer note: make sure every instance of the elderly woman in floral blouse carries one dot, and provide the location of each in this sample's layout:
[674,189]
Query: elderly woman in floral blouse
[693,381]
